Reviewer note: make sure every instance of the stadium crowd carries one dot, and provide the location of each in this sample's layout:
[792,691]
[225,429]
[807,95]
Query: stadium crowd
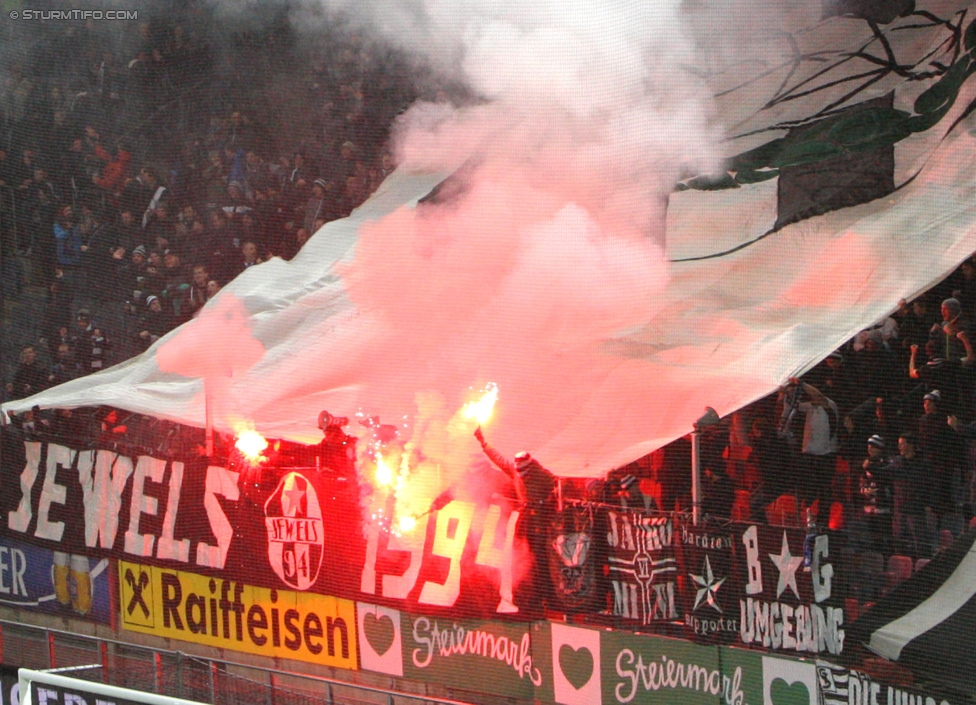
[132,186]
[877,439]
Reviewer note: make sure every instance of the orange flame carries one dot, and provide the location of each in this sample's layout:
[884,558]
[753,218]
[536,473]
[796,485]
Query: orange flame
[480,410]
[251,444]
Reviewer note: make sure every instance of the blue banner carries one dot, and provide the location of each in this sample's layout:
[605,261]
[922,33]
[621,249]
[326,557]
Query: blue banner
[53,582]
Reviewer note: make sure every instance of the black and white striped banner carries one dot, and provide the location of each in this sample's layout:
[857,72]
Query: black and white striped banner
[832,680]
[926,624]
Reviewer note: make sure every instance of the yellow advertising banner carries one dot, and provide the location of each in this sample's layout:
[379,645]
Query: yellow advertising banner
[232,615]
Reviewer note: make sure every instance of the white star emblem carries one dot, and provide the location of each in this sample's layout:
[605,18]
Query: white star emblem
[291,497]
[787,565]
[708,586]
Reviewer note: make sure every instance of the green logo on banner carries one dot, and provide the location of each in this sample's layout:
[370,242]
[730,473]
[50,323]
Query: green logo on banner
[576,665]
[379,632]
[481,656]
[783,693]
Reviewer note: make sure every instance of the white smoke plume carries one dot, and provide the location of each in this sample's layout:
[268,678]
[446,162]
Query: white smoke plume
[595,101]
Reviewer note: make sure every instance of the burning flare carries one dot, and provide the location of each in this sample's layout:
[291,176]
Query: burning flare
[480,410]
[251,444]
[396,492]
[384,474]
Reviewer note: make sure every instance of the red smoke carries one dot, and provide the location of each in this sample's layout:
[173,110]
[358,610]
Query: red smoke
[216,346]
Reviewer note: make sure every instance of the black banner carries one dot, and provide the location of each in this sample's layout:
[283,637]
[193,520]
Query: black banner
[788,601]
[573,558]
[305,530]
[57,695]
[642,566]
[9,686]
[294,528]
[708,582]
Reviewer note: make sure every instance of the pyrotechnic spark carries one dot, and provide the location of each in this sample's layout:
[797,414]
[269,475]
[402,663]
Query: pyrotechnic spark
[407,523]
[251,444]
[480,410]
[384,474]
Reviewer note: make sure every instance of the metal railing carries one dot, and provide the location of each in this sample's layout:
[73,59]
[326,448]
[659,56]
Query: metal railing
[180,675]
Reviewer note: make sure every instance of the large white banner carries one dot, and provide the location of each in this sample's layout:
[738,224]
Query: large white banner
[606,345]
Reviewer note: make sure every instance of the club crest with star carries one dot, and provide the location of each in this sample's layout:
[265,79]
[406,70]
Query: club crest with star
[293,518]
